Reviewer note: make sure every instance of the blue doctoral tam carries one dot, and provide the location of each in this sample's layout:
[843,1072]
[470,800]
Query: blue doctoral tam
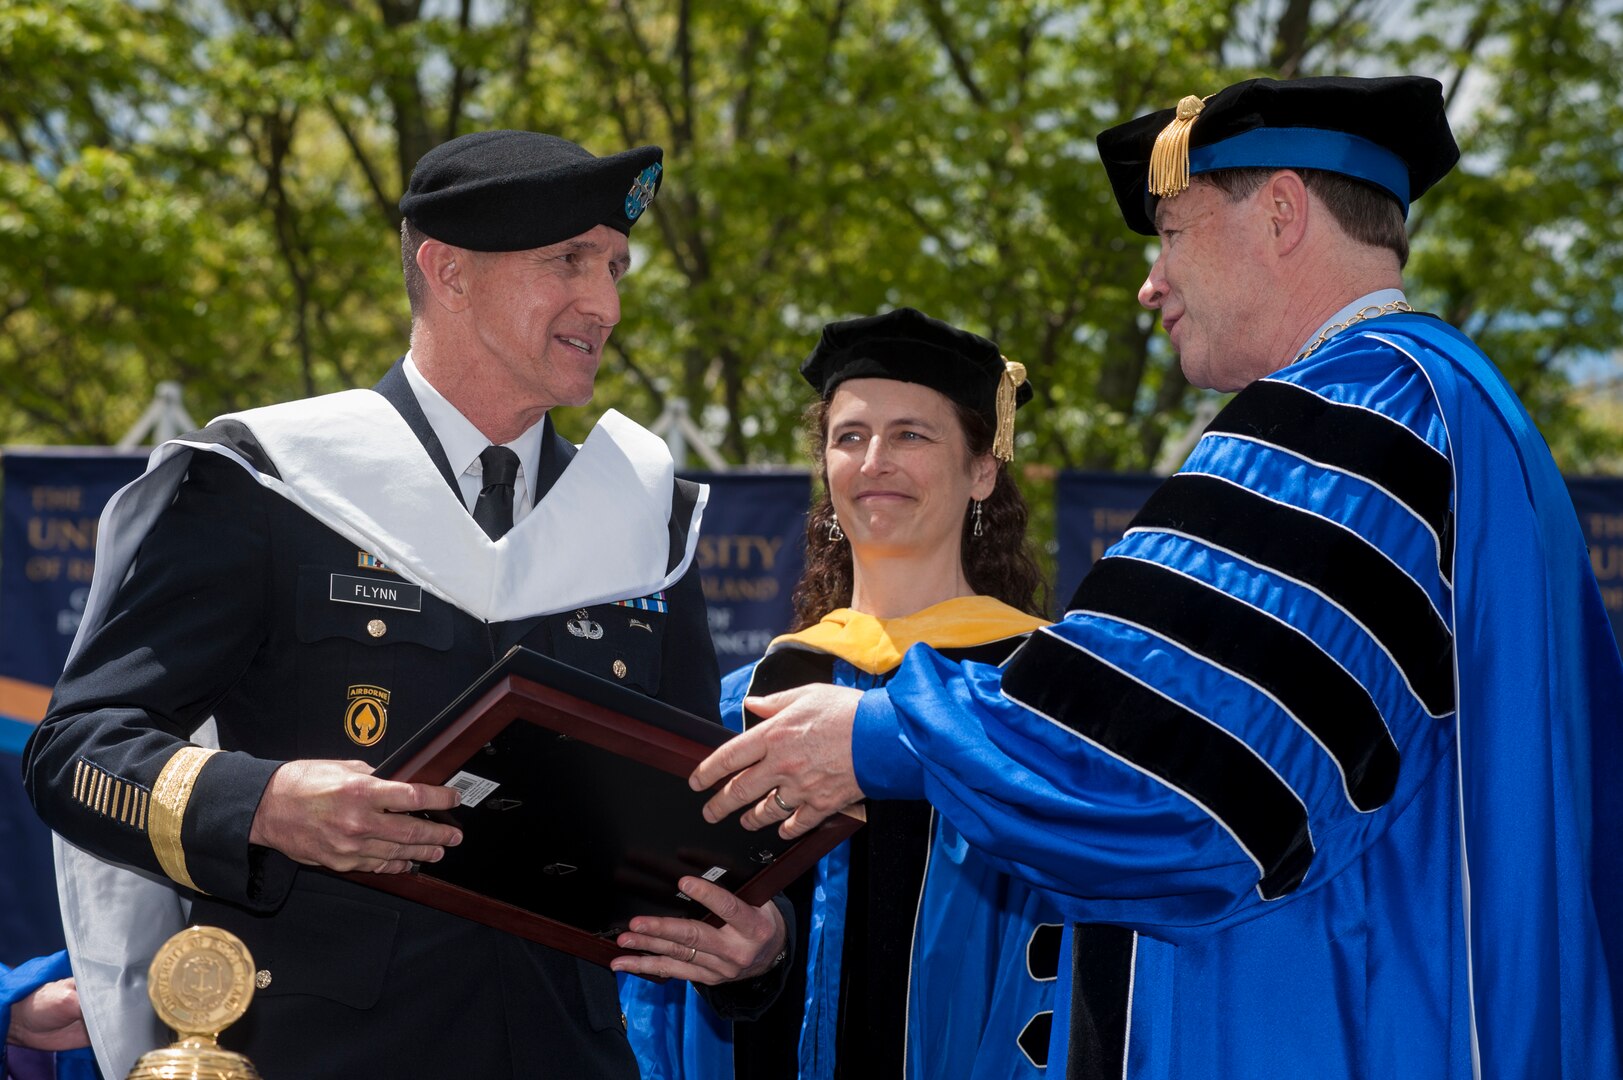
[1390,133]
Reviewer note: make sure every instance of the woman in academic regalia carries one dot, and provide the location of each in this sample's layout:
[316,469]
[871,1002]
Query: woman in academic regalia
[914,957]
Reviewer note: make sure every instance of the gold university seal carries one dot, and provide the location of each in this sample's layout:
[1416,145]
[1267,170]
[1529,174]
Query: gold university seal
[200,983]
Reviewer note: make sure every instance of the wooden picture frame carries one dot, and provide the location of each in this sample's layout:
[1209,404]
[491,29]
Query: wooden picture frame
[577,813]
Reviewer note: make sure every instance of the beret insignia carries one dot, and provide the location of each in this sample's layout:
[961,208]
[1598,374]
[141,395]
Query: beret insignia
[642,191]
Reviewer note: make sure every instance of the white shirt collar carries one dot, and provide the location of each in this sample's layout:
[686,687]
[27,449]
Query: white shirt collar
[463,442]
[1374,299]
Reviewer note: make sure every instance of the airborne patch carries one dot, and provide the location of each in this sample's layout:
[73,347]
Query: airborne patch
[583,626]
[367,714]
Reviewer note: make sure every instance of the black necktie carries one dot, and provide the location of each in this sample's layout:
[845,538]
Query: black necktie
[494,510]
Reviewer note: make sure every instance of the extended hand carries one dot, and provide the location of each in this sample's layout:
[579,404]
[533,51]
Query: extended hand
[49,1019]
[798,757]
[744,946]
[338,815]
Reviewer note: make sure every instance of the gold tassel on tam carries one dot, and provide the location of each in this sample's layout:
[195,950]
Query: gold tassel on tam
[1014,373]
[1169,159]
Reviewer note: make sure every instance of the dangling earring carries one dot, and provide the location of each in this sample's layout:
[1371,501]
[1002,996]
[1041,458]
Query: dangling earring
[835,533]
[977,516]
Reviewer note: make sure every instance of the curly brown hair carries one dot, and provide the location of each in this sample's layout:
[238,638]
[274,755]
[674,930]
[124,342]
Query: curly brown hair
[998,563]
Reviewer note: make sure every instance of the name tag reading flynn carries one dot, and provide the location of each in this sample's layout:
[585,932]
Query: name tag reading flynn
[347,589]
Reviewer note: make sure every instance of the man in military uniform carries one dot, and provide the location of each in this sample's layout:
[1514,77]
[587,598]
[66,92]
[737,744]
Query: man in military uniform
[1311,762]
[318,579]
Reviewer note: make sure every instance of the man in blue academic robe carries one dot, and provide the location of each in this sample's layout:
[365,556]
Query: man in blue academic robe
[1321,762]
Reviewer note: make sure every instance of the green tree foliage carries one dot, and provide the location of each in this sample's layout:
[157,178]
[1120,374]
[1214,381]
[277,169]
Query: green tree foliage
[205,190]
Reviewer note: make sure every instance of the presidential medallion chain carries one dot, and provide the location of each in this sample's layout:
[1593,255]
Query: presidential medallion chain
[1370,312]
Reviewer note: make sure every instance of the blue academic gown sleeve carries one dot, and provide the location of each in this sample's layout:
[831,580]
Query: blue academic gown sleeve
[1346,670]
[16,984]
[1162,756]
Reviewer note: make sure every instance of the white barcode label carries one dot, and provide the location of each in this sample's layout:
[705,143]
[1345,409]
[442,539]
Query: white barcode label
[474,788]
[715,873]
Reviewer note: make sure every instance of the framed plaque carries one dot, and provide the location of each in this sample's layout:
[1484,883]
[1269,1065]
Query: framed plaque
[576,813]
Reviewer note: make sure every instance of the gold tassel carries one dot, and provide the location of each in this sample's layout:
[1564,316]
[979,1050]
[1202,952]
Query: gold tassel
[1169,159]
[1014,374]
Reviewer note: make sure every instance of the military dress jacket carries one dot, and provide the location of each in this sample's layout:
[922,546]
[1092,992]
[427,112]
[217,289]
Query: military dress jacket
[299,643]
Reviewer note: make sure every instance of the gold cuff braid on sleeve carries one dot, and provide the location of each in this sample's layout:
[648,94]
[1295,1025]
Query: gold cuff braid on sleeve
[170,794]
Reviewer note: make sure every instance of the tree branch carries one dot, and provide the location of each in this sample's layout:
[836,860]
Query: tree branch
[684,55]
[460,82]
[743,101]
[386,206]
[1291,38]
[646,55]
[405,94]
[937,18]
[638,373]
[279,134]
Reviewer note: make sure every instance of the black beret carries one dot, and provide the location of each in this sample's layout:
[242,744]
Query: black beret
[515,190]
[909,346]
[1391,133]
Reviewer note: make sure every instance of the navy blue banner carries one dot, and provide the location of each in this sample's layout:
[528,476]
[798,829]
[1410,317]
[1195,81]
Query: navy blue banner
[1091,511]
[52,499]
[30,925]
[1599,502]
[752,548]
